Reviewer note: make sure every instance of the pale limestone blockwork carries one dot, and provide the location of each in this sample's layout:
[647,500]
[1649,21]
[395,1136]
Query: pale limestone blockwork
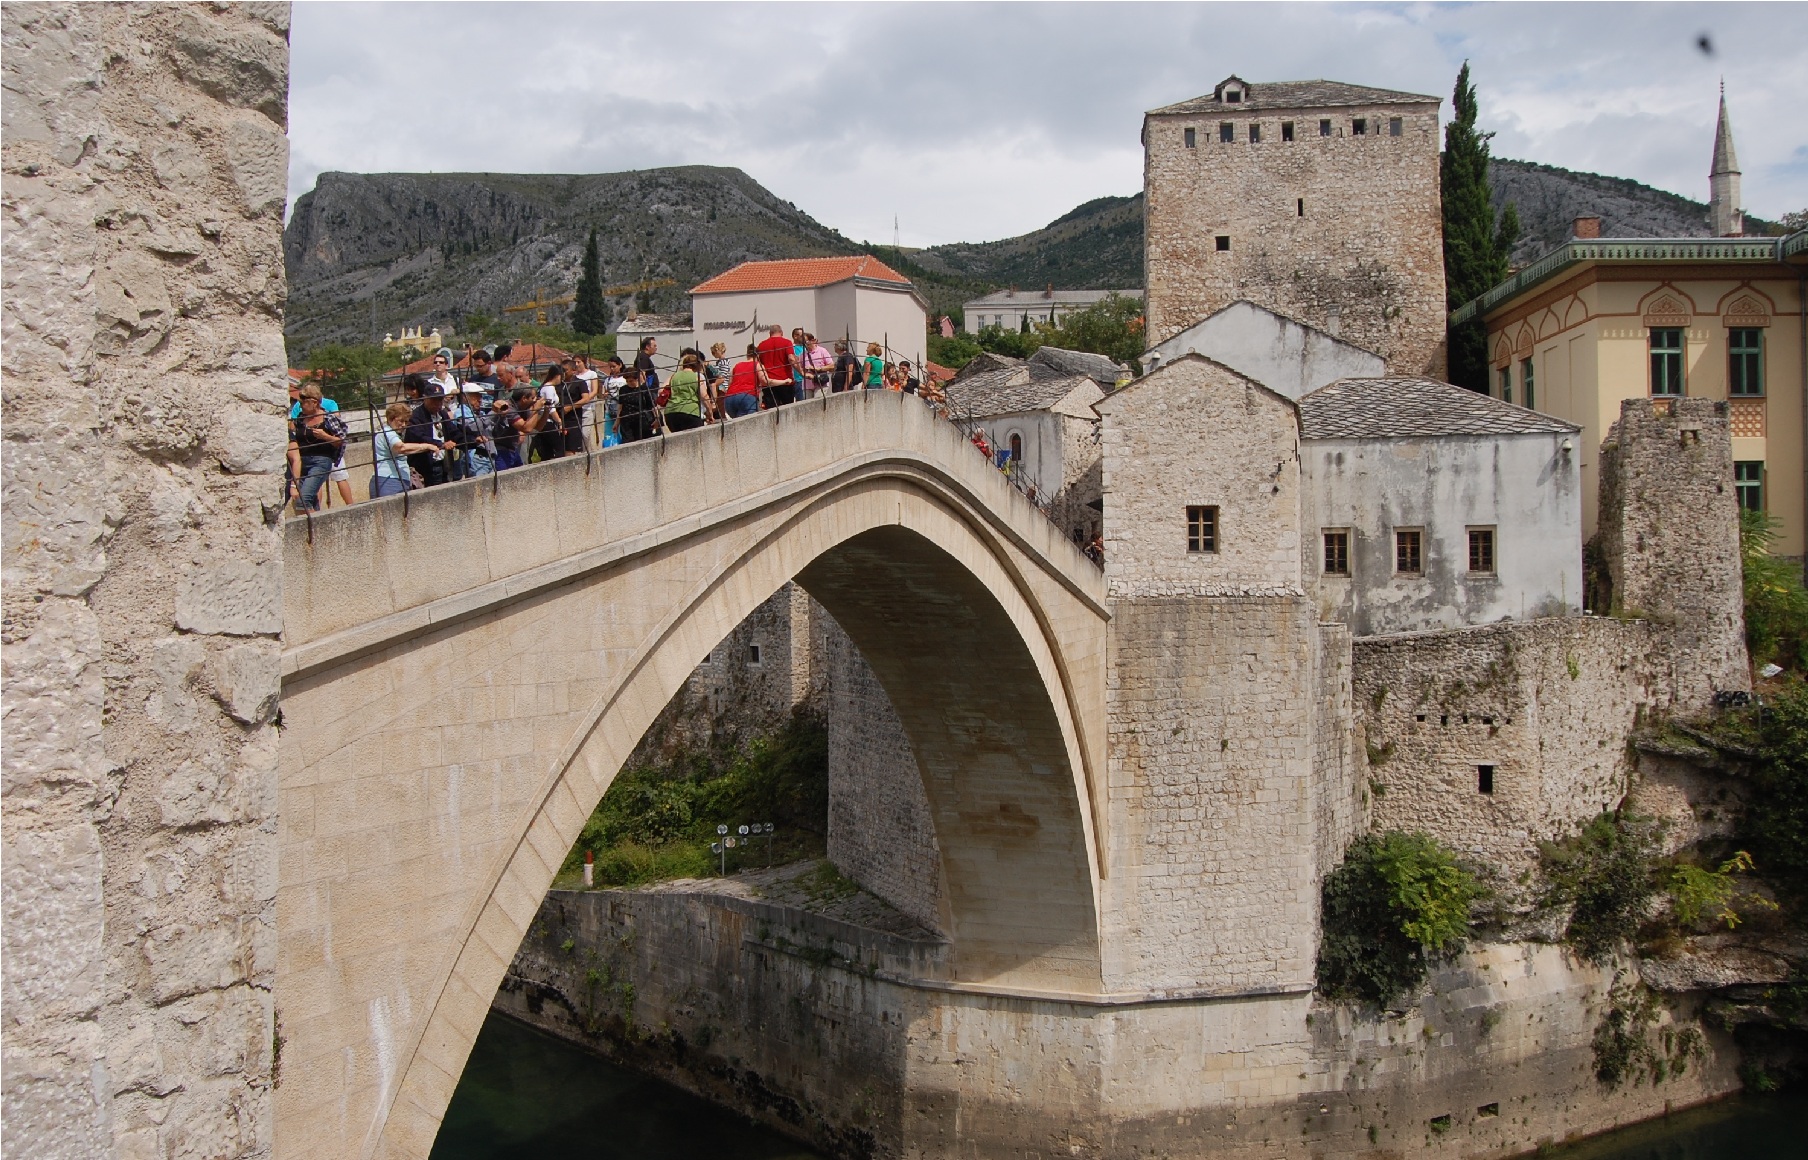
[144,387]
[429,839]
[1344,232]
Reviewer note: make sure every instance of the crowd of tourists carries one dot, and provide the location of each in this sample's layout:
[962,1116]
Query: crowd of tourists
[498,416]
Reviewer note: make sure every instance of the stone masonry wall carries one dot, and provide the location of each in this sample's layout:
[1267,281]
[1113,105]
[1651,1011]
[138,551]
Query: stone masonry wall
[1210,716]
[1342,232]
[1339,812]
[145,168]
[732,696]
[881,833]
[821,1029]
[1547,705]
[1669,535]
[1195,432]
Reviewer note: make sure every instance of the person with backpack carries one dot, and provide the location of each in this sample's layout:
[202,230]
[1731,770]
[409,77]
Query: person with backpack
[638,402]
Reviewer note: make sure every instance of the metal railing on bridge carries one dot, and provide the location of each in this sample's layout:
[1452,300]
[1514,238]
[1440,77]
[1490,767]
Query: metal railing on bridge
[364,421]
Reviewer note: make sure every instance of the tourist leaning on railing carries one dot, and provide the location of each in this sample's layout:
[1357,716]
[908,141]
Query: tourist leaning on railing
[389,451]
[316,440]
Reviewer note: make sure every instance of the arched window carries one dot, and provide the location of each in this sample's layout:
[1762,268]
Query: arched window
[1016,448]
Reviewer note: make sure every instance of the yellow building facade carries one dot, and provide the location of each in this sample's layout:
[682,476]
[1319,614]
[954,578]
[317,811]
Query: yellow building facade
[1595,322]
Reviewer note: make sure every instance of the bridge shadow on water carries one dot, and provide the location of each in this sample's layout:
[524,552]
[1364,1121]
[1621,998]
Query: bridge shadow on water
[525,1094]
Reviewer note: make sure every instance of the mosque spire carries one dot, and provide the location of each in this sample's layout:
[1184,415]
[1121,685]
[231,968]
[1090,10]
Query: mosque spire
[1724,217]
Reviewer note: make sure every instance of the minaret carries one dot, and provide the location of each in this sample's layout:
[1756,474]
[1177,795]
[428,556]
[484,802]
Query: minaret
[1724,218]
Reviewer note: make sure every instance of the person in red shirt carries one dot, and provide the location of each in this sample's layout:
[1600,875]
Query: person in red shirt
[778,358]
[742,394]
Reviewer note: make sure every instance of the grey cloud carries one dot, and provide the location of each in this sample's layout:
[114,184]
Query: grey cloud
[976,121]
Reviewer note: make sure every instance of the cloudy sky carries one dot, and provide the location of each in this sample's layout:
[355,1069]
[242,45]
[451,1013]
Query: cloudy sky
[969,122]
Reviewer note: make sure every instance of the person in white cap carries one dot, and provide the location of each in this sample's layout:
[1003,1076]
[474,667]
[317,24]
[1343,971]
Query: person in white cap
[474,443]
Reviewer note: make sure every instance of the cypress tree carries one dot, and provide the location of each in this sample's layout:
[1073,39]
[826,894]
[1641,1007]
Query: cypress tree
[1477,249]
[588,314]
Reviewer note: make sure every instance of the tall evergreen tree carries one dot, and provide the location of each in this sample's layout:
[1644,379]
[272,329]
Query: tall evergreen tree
[1477,248]
[588,313]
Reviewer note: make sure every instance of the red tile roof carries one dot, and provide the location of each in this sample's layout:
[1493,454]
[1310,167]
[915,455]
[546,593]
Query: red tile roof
[938,372]
[799,274]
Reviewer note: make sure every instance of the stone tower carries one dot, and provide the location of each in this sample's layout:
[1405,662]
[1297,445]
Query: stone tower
[1316,199]
[1724,217]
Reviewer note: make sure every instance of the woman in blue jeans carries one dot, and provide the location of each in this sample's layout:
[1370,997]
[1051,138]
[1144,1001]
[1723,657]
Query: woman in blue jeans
[316,440]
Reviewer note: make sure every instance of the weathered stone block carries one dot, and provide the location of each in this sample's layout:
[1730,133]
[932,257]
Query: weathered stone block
[233,597]
[247,679]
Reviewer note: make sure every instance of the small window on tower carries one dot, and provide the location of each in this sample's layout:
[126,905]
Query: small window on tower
[753,654]
[1286,130]
[1302,207]
[1484,778]
[1481,550]
[1395,126]
[1337,552]
[1255,133]
[1223,243]
[1192,138]
[1409,559]
[1359,127]
[1202,529]
[1227,132]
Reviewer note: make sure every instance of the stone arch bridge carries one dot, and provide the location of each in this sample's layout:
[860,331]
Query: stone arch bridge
[464,673]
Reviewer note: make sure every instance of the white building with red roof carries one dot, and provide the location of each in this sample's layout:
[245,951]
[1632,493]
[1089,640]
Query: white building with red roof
[857,298]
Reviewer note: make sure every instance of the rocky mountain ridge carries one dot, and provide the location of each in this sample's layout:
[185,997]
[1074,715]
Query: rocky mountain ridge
[369,253]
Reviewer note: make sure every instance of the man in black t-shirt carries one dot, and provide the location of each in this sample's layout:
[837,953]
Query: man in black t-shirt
[425,425]
[846,375]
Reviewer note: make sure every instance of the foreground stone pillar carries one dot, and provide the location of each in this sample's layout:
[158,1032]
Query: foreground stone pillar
[145,168]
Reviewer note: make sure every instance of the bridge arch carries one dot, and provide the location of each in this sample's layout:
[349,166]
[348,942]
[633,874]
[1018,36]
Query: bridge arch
[984,626]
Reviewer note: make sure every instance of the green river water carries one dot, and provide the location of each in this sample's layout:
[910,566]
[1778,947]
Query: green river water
[527,1095]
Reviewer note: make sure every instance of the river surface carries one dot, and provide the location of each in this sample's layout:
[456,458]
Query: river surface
[525,1094]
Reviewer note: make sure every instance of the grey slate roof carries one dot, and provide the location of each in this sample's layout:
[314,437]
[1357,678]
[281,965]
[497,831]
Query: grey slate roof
[655,323]
[1413,408]
[1007,391]
[1299,95]
[1052,360]
[1016,299]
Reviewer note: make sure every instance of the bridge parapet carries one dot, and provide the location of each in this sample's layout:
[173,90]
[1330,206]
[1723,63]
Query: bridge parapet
[356,576]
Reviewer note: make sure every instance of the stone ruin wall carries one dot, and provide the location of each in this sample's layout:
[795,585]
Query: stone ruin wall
[1365,262]
[730,697]
[145,170]
[1669,538]
[1548,704]
[1551,704]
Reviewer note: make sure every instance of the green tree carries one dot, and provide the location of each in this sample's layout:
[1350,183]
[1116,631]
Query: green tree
[1477,248]
[588,313]
[1112,326]
[351,374]
[1397,900]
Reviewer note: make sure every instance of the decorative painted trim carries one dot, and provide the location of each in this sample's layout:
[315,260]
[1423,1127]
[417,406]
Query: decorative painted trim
[1731,250]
